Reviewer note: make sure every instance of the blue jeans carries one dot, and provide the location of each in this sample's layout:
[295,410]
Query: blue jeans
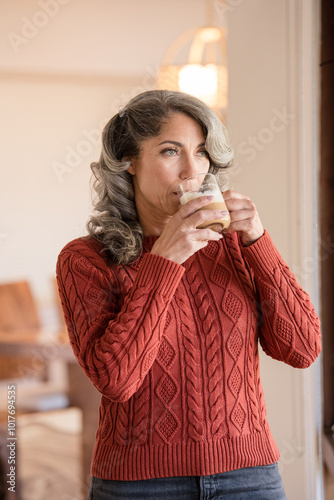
[252,483]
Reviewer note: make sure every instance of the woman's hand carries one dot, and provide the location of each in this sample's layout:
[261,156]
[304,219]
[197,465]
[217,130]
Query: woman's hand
[180,239]
[244,217]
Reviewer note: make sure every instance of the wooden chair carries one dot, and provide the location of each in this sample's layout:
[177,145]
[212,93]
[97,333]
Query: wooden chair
[18,316]
[18,309]
[19,320]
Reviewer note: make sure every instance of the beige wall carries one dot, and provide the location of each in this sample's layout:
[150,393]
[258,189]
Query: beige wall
[60,85]
[273,123]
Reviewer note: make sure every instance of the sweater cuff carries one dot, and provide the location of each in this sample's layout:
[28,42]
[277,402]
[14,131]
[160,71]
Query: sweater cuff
[262,255]
[159,273]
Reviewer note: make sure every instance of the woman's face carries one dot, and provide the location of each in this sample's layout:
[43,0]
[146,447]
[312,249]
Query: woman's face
[163,162]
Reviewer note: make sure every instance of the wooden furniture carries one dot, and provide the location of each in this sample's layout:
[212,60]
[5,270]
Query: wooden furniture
[18,313]
[81,392]
[23,341]
[18,310]
[23,363]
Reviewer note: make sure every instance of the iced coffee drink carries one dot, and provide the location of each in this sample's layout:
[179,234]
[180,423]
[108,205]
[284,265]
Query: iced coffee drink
[205,185]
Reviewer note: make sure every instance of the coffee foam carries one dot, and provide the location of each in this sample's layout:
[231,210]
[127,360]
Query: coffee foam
[191,195]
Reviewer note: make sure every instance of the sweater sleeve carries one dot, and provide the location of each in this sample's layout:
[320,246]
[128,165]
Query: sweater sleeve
[290,328]
[115,335]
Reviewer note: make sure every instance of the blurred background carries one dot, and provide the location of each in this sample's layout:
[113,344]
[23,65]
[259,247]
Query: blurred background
[66,66]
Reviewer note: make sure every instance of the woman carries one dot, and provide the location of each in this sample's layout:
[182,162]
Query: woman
[165,318]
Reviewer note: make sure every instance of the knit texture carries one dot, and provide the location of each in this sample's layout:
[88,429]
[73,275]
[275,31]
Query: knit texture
[173,349]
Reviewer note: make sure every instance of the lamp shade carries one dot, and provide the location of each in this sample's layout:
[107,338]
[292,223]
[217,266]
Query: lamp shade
[204,74]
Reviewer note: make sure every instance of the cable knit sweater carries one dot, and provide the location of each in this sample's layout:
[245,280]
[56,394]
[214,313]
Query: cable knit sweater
[173,349]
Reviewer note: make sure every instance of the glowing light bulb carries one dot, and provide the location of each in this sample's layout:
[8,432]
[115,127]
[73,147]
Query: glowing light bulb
[200,81]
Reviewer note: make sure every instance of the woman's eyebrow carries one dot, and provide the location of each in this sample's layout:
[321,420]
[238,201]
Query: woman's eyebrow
[176,143]
[171,142]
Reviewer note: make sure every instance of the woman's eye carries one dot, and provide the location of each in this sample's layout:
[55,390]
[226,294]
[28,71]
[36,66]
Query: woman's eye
[203,153]
[170,152]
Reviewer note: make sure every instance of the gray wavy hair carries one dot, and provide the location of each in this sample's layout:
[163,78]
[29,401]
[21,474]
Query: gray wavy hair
[115,221]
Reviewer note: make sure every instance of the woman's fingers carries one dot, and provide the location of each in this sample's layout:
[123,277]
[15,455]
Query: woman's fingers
[237,201]
[244,216]
[230,194]
[194,213]
[206,235]
[193,205]
[181,238]
[201,217]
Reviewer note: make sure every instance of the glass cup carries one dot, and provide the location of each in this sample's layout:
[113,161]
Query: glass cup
[205,185]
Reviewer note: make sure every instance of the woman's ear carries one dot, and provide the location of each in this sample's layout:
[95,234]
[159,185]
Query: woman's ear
[131,168]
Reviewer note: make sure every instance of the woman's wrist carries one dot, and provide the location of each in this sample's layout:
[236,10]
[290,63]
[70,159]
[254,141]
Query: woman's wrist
[247,242]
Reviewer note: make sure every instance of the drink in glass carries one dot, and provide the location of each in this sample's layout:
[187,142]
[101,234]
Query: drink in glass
[205,185]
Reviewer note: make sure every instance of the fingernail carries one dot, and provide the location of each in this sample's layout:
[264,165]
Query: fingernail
[224,212]
[210,197]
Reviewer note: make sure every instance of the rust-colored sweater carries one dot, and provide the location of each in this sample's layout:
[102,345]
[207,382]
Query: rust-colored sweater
[173,349]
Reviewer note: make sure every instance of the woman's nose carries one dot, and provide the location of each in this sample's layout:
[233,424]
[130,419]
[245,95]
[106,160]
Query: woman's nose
[189,167]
